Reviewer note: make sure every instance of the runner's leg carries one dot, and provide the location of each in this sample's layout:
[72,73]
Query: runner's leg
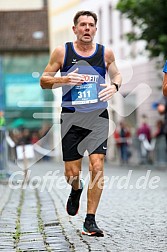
[96,167]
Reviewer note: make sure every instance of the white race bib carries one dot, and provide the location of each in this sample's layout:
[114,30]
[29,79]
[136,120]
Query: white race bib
[84,94]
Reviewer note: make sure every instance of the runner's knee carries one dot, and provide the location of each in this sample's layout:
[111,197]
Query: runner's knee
[71,173]
[97,166]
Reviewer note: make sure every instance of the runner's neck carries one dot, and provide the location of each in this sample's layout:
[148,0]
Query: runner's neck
[84,49]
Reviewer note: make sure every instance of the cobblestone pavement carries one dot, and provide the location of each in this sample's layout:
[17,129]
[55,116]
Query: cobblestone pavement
[132,212]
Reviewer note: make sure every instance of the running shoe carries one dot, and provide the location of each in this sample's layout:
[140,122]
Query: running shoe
[73,200]
[90,228]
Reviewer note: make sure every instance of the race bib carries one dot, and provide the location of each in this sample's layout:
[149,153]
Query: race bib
[84,94]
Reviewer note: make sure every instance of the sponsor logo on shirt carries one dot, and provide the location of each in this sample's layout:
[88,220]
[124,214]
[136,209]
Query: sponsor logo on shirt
[90,78]
[74,61]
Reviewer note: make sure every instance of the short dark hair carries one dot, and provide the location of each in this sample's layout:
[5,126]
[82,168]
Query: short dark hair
[84,13]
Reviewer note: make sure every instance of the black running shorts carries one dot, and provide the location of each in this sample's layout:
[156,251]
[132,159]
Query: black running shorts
[83,131]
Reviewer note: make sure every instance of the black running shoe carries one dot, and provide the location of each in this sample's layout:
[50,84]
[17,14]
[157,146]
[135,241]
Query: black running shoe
[90,228]
[73,200]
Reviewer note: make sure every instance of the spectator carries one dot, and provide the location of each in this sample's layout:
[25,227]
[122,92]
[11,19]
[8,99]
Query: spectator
[24,137]
[34,137]
[144,134]
[144,129]
[122,137]
[2,119]
[159,129]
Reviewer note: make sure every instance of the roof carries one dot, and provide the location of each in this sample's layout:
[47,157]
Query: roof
[24,30]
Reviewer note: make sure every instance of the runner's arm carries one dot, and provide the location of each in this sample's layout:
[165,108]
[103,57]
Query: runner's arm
[164,87]
[49,80]
[115,77]
[112,69]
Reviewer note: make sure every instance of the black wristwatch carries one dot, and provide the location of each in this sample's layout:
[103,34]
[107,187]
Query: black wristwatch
[116,85]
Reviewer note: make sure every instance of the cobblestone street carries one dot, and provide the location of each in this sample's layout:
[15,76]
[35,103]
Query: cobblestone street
[132,212]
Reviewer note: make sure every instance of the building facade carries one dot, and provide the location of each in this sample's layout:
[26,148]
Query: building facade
[24,52]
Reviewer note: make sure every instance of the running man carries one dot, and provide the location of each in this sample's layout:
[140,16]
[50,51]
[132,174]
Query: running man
[84,117]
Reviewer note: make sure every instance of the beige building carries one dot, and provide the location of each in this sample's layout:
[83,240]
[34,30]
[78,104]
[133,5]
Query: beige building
[21,5]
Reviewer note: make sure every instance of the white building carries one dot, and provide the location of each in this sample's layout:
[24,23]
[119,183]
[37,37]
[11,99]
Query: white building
[140,77]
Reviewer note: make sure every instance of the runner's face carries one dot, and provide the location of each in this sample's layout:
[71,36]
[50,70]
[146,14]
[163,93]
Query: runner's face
[85,29]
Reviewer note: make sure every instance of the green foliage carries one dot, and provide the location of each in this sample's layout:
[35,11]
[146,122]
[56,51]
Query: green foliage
[151,18]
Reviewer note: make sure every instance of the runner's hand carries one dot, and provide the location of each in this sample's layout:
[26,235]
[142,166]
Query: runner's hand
[107,92]
[74,78]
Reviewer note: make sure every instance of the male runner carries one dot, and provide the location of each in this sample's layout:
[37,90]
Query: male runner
[84,116]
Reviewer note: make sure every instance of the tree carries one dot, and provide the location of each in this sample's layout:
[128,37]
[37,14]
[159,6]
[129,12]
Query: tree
[151,18]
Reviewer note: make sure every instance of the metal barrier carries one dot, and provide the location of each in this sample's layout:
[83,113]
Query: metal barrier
[3,153]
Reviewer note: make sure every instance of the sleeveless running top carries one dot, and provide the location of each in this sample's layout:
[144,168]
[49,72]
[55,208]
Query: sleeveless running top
[84,98]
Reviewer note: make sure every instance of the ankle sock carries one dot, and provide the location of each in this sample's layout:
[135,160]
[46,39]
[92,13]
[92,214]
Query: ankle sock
[90,217]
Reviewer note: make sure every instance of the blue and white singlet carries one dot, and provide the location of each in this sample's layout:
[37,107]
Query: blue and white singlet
[84,98]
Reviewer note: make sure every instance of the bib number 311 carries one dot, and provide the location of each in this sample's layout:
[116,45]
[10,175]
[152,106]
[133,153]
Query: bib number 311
[84,94]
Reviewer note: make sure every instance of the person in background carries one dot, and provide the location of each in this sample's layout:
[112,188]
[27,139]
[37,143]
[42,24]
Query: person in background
[144,128]
[159,129]
[144,134]
[34,137]
[122,138]
[160,149]
[24,137]
[164,86]
[2,119]
[2,140]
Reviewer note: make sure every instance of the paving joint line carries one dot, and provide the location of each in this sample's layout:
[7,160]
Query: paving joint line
[17,234]
[77,231]
[40,222]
